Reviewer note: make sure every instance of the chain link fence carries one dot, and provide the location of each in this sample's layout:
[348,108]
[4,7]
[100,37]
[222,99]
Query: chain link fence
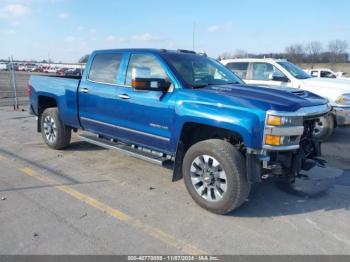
[13,83]
[13,88]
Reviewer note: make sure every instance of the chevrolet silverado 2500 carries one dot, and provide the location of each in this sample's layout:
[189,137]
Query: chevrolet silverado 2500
[187,111]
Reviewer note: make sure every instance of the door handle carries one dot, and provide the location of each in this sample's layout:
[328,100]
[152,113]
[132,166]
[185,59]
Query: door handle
[124,96]
[84,90]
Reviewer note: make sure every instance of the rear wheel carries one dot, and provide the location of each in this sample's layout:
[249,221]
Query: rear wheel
[324,127]
[215,176]
[55,134]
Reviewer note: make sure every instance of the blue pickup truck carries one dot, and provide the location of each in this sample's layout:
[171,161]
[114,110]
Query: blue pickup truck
[185,111]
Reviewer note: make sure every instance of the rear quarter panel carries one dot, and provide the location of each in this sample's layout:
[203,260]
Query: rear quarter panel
[63,90]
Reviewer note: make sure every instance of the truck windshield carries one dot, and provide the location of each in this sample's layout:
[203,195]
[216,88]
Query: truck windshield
[200,71]
[296,71]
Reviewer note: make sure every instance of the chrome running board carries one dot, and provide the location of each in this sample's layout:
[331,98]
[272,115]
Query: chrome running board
[143,154]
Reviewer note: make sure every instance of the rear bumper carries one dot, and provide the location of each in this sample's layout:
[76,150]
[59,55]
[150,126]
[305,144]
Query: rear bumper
[342,115]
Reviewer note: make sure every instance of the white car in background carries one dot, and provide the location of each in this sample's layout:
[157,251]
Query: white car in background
[326,73]
[29,67]
[281,73]
[52,70]
[21,67]
[3,66]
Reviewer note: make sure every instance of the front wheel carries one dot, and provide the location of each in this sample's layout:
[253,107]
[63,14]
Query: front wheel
[324,127]
[215,176]
[54,132]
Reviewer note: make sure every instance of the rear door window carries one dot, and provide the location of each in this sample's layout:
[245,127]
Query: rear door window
[239,69]
[265,71]
[104,68]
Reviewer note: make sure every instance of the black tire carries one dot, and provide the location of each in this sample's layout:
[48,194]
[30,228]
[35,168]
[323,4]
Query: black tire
[233,164]
[324,128]
[63,133]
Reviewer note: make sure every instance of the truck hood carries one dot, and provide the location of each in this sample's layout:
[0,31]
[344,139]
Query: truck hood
[326,87]
[264,98]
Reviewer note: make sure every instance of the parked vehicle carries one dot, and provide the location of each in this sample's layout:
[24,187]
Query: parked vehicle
[21,67]
[43,69]
[73,72]
[326,73]
[51,69]
[3,66]
[29,67]
[281,73]
[181,109]
[36,68]
[61,71]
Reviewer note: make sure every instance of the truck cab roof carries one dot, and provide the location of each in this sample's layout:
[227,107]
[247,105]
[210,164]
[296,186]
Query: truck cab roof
[146,50]
[224,61]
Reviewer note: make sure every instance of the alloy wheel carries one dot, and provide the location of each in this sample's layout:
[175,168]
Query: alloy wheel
[208,178]
[50,129]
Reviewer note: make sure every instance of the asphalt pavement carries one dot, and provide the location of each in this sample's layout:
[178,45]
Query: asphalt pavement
[88,200]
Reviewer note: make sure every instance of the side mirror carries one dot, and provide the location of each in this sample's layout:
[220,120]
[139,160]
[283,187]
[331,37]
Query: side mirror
[278,78]
[150,84]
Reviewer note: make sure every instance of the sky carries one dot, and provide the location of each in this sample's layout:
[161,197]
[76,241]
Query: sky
[65,30]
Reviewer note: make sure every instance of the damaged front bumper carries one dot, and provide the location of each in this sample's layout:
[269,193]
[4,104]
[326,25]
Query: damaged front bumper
[292,147]
[283,164]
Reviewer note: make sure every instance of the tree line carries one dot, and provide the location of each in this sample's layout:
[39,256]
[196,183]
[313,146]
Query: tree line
[336,51]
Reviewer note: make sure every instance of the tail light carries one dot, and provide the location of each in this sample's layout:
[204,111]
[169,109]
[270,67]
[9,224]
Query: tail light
[28,89]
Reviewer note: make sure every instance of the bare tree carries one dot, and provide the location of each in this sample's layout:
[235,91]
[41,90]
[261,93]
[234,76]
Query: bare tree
[84,59]
[225,55]
[295,53]
[314,50]
[240,53]
[337,49]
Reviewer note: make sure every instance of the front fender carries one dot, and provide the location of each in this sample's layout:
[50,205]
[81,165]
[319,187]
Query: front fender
[248,123]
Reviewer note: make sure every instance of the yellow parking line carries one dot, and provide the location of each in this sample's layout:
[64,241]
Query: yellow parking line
[150,230]
[2,158]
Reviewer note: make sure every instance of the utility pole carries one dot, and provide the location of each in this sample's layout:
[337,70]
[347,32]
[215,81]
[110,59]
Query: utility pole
[13,83]
[194,36]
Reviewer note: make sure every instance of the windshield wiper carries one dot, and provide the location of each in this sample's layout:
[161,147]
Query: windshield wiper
[229,83]
[200,86]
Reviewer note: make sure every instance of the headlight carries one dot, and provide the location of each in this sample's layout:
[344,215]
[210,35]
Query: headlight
[275,120]
[282,130]
[343,99]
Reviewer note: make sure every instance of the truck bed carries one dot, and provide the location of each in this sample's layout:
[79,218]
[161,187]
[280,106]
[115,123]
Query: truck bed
[63,90]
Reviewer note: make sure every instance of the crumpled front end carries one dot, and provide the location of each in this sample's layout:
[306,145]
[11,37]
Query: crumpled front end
[288,144]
